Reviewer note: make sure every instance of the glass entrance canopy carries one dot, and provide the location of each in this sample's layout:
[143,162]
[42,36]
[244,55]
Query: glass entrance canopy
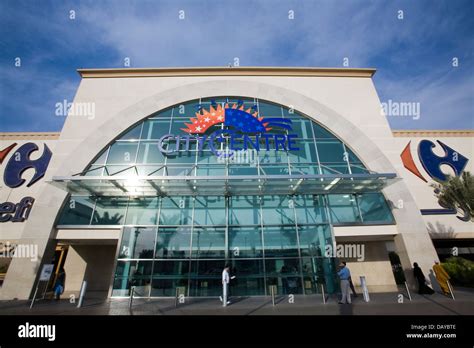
[223,185]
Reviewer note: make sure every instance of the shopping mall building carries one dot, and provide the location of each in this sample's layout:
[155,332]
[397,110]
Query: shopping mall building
[160,177]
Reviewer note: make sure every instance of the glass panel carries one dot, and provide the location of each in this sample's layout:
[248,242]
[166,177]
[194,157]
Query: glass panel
[335,168]
[278,210]
[137,243]
[208,242]
[109,211]
[122,153]
[206,277]
[77,211]
[352,157]
[176,210]
[343,208]
[274,170]
[249,279]
[268,110]
[173,242]
[128,170]
[243,170]
[94,171]
[322,133]
[155,129]
[374,208]
[245,242]
[210,170]
[101,158]
[209,211]
[319,271]
[244,210]
[305,154]
[357,169]
[167,276]
[285,274]
[310,209]
[302,128]
[273,156]
[132,273]
[280,241]
[330,152]
[313,240]
[182,157]
[148,153]
[166,113]
[134,133]
[142,211]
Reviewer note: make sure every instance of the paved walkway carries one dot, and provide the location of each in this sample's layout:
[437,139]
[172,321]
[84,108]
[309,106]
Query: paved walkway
[380,304]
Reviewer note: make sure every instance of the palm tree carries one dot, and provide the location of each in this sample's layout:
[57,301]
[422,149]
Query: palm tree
[457,192]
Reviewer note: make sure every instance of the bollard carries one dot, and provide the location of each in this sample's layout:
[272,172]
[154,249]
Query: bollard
[130,301]
[82,293]
[408,290]
[34,296]
[322,292]
[272,290]
[365,291]
[450,289]
[176,297]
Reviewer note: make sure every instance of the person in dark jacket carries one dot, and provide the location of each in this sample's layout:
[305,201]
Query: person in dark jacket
[420,277]
[59,285]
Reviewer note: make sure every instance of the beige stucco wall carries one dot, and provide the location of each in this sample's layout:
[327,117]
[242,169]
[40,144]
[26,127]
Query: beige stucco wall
[376,268]
[92,263]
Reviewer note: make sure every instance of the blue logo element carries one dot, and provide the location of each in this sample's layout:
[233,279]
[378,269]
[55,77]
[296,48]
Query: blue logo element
[432,162]
[20,161]
[247,123]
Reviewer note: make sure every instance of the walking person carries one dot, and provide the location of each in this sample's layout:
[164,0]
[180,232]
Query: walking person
[423,288]
[59,284]
[442,277]
[350,282]
[345,274]
[225,286]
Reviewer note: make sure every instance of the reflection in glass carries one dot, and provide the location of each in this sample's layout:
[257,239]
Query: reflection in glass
[245,242]
[343,208]
[137,243]
[208,242]
[77,211]
[109,211]
[142,211]
[280,241]
[173,242]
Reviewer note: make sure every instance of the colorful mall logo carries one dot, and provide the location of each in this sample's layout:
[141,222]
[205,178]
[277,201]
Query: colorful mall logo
[242,129]
[19,162]
[432,163]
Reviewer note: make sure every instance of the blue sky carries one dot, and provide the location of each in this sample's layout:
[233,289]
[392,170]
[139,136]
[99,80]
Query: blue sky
[413,56]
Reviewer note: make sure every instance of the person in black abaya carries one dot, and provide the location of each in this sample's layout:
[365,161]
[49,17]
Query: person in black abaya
[420,277]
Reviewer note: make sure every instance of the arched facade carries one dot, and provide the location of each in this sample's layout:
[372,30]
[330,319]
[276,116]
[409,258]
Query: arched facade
[81,150]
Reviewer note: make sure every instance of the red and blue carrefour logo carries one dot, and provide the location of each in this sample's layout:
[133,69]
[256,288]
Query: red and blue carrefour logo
[431,162]
[18,163]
